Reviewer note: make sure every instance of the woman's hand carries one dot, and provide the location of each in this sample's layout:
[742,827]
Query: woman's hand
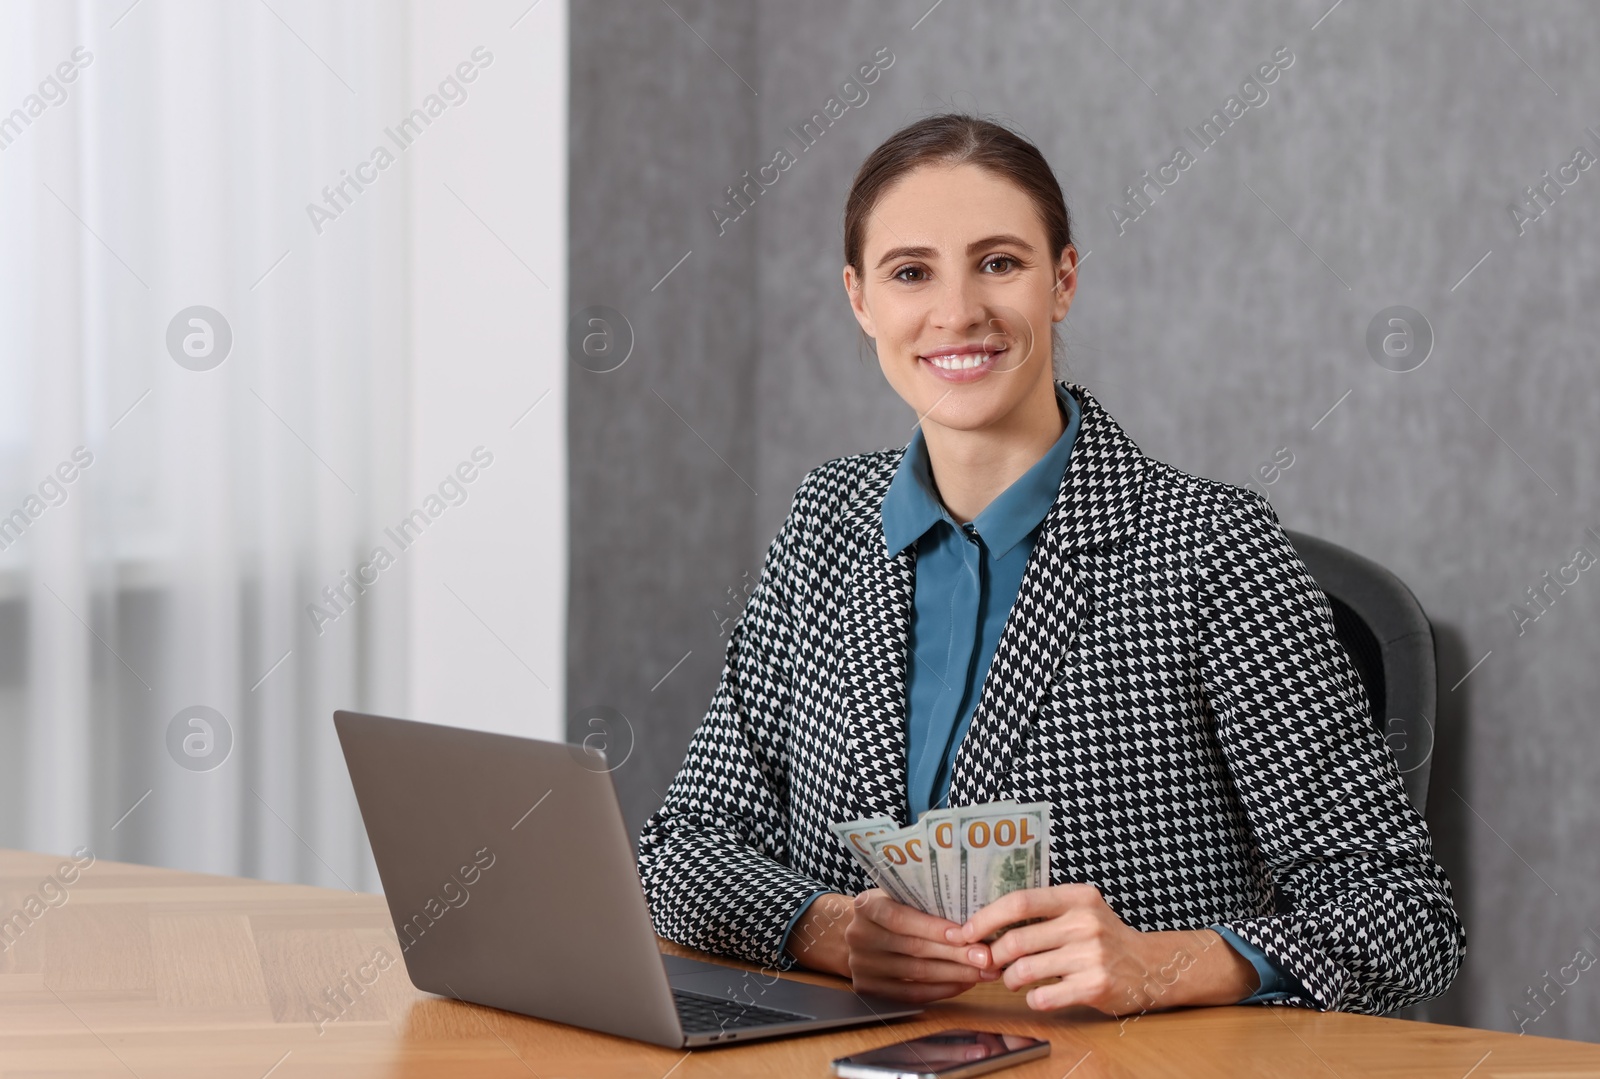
[885,947]
[1101,961]
[899,952]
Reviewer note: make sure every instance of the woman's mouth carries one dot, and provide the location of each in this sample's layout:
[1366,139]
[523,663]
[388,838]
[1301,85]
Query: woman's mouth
[962,363]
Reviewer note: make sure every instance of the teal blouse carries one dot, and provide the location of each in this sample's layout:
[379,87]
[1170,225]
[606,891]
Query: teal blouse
[967,578]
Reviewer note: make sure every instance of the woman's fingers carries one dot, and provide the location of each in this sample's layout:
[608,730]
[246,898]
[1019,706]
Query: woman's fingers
[1094,988]
[1023,940]
[1069,960]
[867,934]
[901,953]
[888,964]
[1023,905]
[901,919]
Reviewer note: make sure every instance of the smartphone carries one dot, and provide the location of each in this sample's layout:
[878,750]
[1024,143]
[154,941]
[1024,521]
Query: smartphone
[949,1054]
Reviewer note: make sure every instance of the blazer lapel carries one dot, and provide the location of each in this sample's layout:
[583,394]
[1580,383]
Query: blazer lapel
[1097,504]
[875,631]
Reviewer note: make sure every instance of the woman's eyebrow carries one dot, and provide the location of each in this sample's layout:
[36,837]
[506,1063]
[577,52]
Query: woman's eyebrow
[1004,239]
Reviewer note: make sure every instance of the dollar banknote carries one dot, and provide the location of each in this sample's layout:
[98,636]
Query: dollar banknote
[944,859]
[903,854]
[953,862]
[855,835]
[1003,848]
[944,863]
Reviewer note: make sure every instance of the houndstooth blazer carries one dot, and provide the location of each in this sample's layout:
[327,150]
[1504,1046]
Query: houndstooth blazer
[1168,679]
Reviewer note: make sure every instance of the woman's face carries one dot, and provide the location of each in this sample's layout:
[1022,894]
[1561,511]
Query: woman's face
[958,290]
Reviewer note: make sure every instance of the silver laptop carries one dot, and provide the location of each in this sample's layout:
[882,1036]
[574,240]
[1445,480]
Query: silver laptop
[511,881]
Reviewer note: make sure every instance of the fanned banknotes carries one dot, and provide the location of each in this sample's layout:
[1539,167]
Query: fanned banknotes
[953,862]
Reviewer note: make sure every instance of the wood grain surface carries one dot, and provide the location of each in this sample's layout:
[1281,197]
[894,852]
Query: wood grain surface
[130,970]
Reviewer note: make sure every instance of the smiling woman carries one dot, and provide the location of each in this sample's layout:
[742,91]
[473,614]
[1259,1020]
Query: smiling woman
[971,265]
[1021,605]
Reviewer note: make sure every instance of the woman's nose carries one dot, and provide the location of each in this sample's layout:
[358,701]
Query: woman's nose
[958,306]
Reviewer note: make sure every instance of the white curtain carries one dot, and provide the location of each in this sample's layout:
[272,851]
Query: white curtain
[153,606]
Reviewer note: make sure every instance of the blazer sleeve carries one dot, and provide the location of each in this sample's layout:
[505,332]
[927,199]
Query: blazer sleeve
[713,858]
[1365,919]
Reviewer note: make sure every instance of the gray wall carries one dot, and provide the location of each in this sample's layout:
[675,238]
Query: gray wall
[1220,327]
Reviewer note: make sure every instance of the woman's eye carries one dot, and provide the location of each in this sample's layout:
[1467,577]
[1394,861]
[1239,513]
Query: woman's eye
[1006,259]
[899,275]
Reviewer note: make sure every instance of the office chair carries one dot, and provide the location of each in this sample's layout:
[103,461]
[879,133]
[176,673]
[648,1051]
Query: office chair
[1390,641]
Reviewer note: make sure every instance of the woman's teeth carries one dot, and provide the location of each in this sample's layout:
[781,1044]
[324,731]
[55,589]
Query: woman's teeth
[957,363]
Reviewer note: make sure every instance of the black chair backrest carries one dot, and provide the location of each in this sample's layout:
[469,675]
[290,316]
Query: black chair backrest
[1390,641]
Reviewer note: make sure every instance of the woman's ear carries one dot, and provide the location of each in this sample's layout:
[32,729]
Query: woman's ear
[1066,283]
[858,300]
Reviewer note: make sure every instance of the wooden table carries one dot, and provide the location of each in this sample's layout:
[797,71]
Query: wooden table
[153,972]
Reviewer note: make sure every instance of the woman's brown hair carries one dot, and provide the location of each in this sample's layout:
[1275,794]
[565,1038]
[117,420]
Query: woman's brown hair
[952,138]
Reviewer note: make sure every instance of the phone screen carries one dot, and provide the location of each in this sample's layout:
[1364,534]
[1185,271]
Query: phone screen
[948,1050]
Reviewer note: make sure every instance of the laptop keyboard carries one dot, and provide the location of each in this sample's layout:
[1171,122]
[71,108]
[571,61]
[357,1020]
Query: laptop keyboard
[700,1014]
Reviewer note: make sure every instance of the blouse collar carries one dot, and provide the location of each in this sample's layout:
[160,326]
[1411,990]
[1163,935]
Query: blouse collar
[911,506]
